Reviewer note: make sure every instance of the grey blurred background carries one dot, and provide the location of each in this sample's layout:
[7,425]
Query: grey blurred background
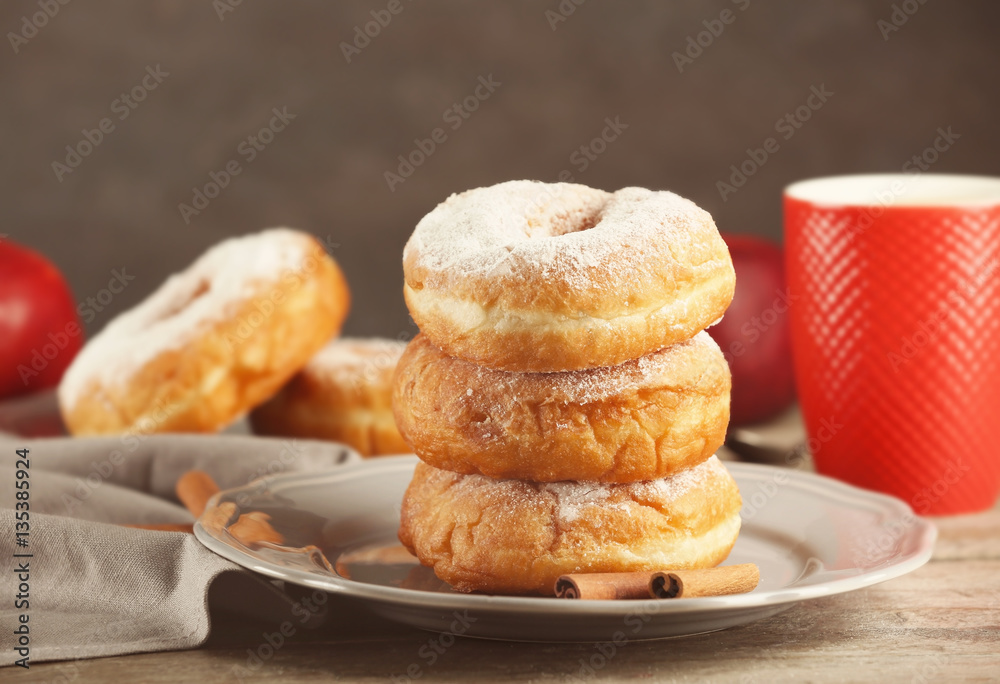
[230,64]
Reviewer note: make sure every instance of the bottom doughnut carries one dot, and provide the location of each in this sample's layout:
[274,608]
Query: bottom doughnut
[517,537]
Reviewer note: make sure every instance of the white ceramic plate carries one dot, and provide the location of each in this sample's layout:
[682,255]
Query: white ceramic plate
[811,536]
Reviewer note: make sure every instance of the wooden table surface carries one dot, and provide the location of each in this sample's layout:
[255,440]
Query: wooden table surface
[940,623]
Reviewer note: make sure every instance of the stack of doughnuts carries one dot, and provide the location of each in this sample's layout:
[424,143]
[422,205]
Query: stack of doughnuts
[563,397]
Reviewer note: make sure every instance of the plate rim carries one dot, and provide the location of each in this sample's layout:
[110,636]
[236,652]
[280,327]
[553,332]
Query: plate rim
[922,535]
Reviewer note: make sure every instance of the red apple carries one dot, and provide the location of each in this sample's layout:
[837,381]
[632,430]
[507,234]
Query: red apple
[754,334]
[40,332]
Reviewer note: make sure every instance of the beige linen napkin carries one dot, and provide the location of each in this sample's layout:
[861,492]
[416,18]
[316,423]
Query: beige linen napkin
[99,589]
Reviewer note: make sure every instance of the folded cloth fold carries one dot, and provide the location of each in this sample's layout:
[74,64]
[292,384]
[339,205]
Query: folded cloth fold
[97,588]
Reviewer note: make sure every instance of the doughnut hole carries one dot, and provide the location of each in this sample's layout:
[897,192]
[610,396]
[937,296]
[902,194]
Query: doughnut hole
[561,217]
[201,289]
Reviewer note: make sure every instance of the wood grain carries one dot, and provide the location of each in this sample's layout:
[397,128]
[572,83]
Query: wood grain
[941,623]
[968,536]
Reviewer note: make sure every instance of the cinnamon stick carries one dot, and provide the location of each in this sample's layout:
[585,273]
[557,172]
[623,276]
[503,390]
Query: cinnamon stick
[216,519]
[253,528]
[730,579]
[604,585]
[194,489]
[720,581]
[165,527]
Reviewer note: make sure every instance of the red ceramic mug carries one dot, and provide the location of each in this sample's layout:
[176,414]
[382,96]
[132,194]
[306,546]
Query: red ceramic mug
[894,284]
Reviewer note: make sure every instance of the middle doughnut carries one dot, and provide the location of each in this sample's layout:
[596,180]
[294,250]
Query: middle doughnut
[645,419]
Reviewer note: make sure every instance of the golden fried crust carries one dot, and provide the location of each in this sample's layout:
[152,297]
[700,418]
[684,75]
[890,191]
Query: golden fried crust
[538,277]
[515,537]
[642,420]
[344,394]
[230,365]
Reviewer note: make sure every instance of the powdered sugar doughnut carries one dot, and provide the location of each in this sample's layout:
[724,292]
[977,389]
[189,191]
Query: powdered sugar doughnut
[516,537]
[211,342]
[343,394]
[528,276]
[644,419]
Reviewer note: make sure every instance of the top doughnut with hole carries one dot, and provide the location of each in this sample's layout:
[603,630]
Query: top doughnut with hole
[535,277]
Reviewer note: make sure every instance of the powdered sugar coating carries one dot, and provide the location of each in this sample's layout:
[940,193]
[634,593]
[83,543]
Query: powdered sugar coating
[574,499]
[515,537]
[350,360]
[207,291]
[562,232]
[644,419]
[663,367]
